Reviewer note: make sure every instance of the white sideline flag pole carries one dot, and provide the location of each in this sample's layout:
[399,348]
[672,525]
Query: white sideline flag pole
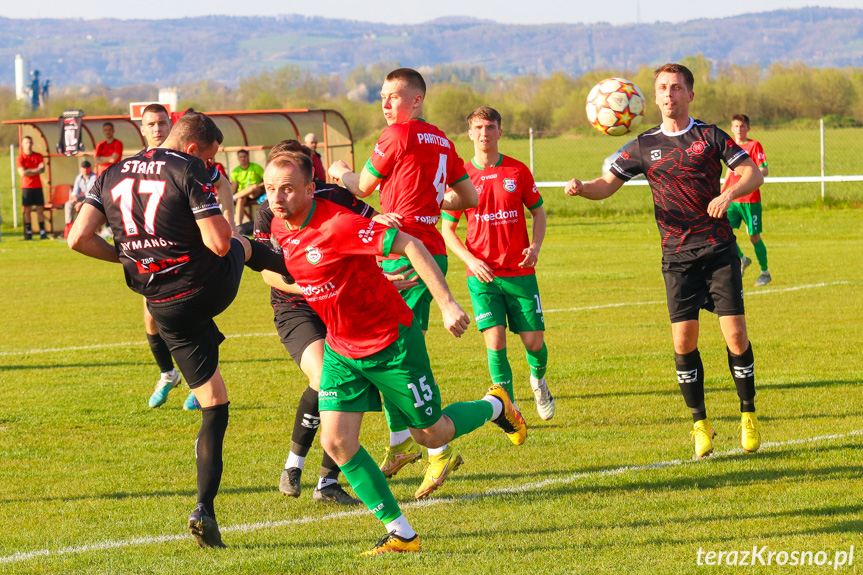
[14,187]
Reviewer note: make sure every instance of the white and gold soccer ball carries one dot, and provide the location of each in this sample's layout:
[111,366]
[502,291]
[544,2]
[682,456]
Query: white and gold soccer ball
[615,106]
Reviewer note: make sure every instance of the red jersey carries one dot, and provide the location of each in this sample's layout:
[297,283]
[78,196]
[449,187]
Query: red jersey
[332,259]
[29,163]
[497,228]
[416,162]
[105,149]
[756,152]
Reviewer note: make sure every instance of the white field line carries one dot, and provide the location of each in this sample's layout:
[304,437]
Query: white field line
[273,334]
[249,527]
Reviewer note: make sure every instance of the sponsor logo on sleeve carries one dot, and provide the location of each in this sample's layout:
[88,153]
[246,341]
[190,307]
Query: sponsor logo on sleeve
[368,233]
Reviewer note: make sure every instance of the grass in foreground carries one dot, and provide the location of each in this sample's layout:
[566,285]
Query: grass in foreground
[84,461]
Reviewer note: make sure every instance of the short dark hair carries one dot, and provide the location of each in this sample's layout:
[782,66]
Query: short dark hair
[155,109]
[291,158]
[741,118]
[485,113]
[672,68]
[286,146]
[27,138]
[107,124]
[198,128]
[242,152]
[86,164]
[410,77]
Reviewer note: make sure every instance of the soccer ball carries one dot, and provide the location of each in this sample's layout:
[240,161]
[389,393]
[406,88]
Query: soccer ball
[615,106]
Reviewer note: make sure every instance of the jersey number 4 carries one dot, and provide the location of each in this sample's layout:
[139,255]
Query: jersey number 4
[125,191]
[440,179]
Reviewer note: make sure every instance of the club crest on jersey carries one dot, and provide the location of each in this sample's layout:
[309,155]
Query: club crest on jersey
[696,148]
[509,184]
[313,254]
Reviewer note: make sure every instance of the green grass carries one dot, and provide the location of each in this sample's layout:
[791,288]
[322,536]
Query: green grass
[84,461]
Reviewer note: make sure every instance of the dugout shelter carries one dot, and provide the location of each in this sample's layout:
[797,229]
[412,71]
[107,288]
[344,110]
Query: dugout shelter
[254,130]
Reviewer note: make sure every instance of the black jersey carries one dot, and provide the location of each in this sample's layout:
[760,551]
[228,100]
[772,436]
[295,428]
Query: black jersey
[264,222]
[152,201]
[683,169]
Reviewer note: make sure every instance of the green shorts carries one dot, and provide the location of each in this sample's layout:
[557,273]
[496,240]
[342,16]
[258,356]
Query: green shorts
[418,297]
[400,372]
[750,213]
[515,298]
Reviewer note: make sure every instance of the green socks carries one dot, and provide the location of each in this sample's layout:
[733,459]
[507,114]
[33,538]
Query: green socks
[761,254]
[537,360]
[466,415]
[500,370]
[371,487]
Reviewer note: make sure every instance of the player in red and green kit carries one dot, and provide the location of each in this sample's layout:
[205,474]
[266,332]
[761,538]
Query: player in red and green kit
[748,208]
[414,163]
[374,344]
[500,258]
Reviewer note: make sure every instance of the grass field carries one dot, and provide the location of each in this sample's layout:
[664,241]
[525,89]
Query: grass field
[93,481]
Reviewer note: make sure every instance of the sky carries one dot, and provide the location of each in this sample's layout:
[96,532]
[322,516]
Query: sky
[394,12]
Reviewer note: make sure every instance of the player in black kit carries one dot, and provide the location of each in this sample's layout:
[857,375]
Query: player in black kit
[681,160]
[180,254]
[302,333]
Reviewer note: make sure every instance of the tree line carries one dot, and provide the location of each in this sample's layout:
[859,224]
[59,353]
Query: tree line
[783,94]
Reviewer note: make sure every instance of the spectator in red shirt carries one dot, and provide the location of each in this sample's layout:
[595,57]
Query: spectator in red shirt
[30,165]
[109,151]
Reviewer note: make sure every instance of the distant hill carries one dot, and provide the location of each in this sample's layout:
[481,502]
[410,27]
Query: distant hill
[165,52]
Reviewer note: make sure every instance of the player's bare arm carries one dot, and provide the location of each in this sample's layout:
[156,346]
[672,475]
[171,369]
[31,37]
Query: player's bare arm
[83,236]
[226,200]
[598,189]
[750,180]
[277,281]
[391,219]
[481,270]
[216,234]
[361,185]
[462,195]
[455,319]
[531,253]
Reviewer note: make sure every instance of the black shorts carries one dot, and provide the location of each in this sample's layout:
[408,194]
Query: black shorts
[705,278]
[32,197]
[298,328]
[186,323]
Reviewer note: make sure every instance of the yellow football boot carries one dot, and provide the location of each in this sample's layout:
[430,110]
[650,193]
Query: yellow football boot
[393,543]
[510,419]
[703,434]
[397,456]
[750,437]
[438,468]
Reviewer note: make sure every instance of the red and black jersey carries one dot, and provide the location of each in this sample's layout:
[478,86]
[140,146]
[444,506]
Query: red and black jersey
[152,201]
[683,170]
[264,221]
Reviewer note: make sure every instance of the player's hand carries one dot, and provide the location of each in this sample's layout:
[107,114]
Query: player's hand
[718,206]
[481,270]
[573,187]
[531,257]
[403,277]
[338,169]
[455,320]
[391,219]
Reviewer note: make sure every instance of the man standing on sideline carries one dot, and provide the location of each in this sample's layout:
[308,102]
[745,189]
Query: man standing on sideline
[681,159]
[311,142]
[30,164]
[500,258]
[374,345]
[748,208]
[83,182]
[109,151]
[413,162]
[155,127]
[177,250]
